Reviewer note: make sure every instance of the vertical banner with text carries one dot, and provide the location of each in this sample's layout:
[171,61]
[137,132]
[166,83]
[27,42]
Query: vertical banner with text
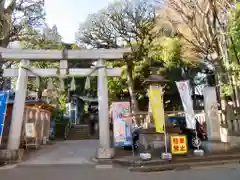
[122,125]
[185,94]
[3,108]
[155,98]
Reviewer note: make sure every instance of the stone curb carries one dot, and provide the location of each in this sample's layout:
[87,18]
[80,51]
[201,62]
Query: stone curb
[181,166]
[102,161]
[158,162]
[11,156]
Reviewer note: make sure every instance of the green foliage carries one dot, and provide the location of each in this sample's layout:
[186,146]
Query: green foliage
[234,32]
[169,51]
[21,14]
[128,23]
[49,39]
[62,101]
[133,23]
[117,85]
[38,40]
[234,49]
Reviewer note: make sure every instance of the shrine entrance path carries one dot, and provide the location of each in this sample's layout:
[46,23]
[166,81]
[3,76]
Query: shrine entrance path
[64,152]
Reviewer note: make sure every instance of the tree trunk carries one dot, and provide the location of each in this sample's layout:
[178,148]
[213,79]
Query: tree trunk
[221,97]
[39,93]
[131,87]
[193,95]
[5,22]
[40,89]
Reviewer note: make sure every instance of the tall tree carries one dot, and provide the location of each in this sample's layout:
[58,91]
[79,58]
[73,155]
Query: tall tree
[52,33]
[203,25]
[234,49]
[38,40]
[123,23]
[19,15]
[16,16]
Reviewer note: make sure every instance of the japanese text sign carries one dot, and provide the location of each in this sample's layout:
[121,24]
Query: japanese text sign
[121,125]
[178,144]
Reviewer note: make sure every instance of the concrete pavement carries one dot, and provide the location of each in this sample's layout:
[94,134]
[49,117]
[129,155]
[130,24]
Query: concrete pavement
[70,160]
[64,152]
[89,172]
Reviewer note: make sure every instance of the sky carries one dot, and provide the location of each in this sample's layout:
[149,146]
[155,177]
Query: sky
[68,14]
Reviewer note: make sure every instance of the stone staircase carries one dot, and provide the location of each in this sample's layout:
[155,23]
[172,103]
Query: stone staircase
[80,132]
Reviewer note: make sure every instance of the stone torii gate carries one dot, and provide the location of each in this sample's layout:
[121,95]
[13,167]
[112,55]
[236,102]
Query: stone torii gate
[24,71]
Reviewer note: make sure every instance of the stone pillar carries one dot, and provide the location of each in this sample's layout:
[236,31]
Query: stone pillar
[211,113]
[18,108]
[104,151]
[217,133]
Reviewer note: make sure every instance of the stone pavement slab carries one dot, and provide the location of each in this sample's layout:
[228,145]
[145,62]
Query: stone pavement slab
[64,152]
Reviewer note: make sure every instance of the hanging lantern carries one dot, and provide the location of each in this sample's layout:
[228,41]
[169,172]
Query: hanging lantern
[87,83]
[72,85]
[37,82]
[50,84]
[61,84]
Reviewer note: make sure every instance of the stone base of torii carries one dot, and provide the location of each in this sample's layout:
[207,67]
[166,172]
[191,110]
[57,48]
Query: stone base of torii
[104,151]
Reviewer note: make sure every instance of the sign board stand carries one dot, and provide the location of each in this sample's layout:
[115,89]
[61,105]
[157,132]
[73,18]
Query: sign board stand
[179,144]
[3,109]
[122,130]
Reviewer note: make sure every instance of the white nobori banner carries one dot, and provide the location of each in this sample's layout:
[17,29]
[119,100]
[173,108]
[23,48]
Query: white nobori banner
[185,94]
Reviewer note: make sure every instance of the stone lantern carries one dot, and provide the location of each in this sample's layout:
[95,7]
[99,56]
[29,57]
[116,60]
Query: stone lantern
[151,82]
[155,136]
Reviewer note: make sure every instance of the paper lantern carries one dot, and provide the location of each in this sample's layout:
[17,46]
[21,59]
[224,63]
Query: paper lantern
[87,83]
[50,84]
[61,84]
[37,82]
[72,85]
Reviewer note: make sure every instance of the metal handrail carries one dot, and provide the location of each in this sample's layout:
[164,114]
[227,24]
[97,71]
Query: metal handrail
[67,129]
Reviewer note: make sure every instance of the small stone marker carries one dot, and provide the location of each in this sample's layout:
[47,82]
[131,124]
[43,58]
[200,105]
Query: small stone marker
[198,152]
[166,156]
[104,166]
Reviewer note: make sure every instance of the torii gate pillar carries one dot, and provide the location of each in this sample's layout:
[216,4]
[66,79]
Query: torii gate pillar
[18,107]
[104,151]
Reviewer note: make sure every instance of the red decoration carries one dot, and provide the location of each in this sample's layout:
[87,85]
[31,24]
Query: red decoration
[175,140]
[176,147]
[182,148]
[181,140]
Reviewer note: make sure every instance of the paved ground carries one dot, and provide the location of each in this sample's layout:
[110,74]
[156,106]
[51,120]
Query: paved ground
[89,172]
[70,160]
[64,152]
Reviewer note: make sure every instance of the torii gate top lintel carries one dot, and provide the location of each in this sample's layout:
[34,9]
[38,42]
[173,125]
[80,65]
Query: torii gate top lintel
[90,54]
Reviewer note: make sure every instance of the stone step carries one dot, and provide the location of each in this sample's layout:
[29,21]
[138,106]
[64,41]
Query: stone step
[81,138]
[84,134]
[79,130]
[78,134]
[80,127]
